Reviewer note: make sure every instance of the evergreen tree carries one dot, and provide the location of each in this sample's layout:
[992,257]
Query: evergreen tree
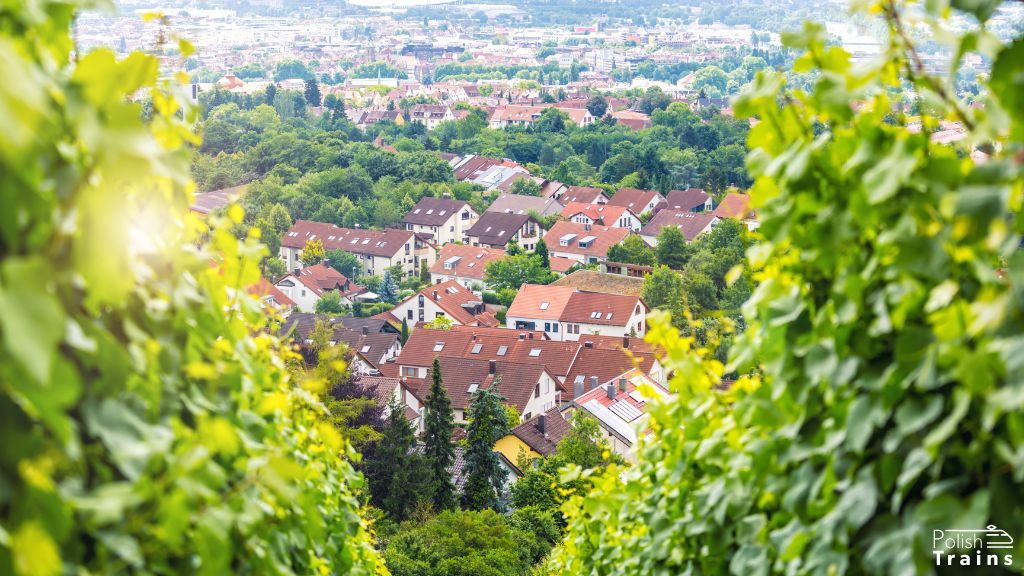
[393,471]
[388,288]
[405,331]
[437,438]
[313,92]
[270,94]
[672,250]
[485,475]
[542,251]
[424,272]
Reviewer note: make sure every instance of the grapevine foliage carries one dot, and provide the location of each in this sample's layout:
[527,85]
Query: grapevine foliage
[885,347]
[149,425]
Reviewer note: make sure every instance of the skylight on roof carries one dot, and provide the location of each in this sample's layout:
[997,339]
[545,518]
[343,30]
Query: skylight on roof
[535,352]
[608,316]
[502,350]
[476,348]
[473,387]
[544,305]
[431,211]
[416,211]
[441,213]
[438,346]
[365,349]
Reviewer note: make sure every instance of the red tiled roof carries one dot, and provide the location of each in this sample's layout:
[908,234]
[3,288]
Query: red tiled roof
[598,308]
[561,265]
[321,278]
[455,300]
[264,289]
[605,214]
[604,238]
[539,301]
[472,263]
[516,382]
[734,206]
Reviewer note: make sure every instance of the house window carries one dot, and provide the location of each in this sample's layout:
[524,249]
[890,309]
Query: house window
[409,371]
[536,391]
[439,315]
[421,315]
[408,313]
[420,300]
[451,228]
[547,326]
[555,328]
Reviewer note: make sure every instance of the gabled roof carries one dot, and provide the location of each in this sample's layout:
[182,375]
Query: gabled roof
[430,211]
[604,214]
[522,204]
[371,324]
[634,198]
[498,228]
[355,240]
[584,194]
[267,292]
[734,206]
[515,381]
[471,167]
[544,443]
[321,278]
[465,261]
[600,309]
[370,346]
[458,302]
[539,301]
[690,199]
[691,224]
[604,237]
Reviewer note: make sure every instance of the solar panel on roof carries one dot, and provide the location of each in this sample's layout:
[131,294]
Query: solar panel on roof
[625,410]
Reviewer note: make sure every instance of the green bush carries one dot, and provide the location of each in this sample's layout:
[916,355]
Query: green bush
[149,423]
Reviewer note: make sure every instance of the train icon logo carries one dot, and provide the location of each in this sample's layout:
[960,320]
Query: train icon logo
[972,547]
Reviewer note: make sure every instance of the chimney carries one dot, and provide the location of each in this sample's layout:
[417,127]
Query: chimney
[522,336]
[593,382]
[473,338]
[492,367]
[435,295]
[542,424]
[625,341]
[577,389]
[530,336]
[611,391]
[622,383]
[366,330]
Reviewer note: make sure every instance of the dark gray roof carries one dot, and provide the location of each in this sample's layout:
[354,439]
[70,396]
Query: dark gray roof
[497,228]
[543,443]
[691,199]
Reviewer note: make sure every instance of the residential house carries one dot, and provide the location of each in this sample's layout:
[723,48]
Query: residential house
[639,201]
[522,204]
[619,407]
[442,219]
[517,115]
[487,172]
[458,473]
[548,188]
[626,269]
[528,387]
[632,119]
[365,118]
[498,229]
[583,194]
[430,115]
[377,250]
[448,299]
[567,313]
[737,206]
[271,297]
[691,200]
[388,390]
[583,242]
[602,215]
[370,350]
[307,285]
[536,437]
[374,325]
[691,224]
[464,264]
